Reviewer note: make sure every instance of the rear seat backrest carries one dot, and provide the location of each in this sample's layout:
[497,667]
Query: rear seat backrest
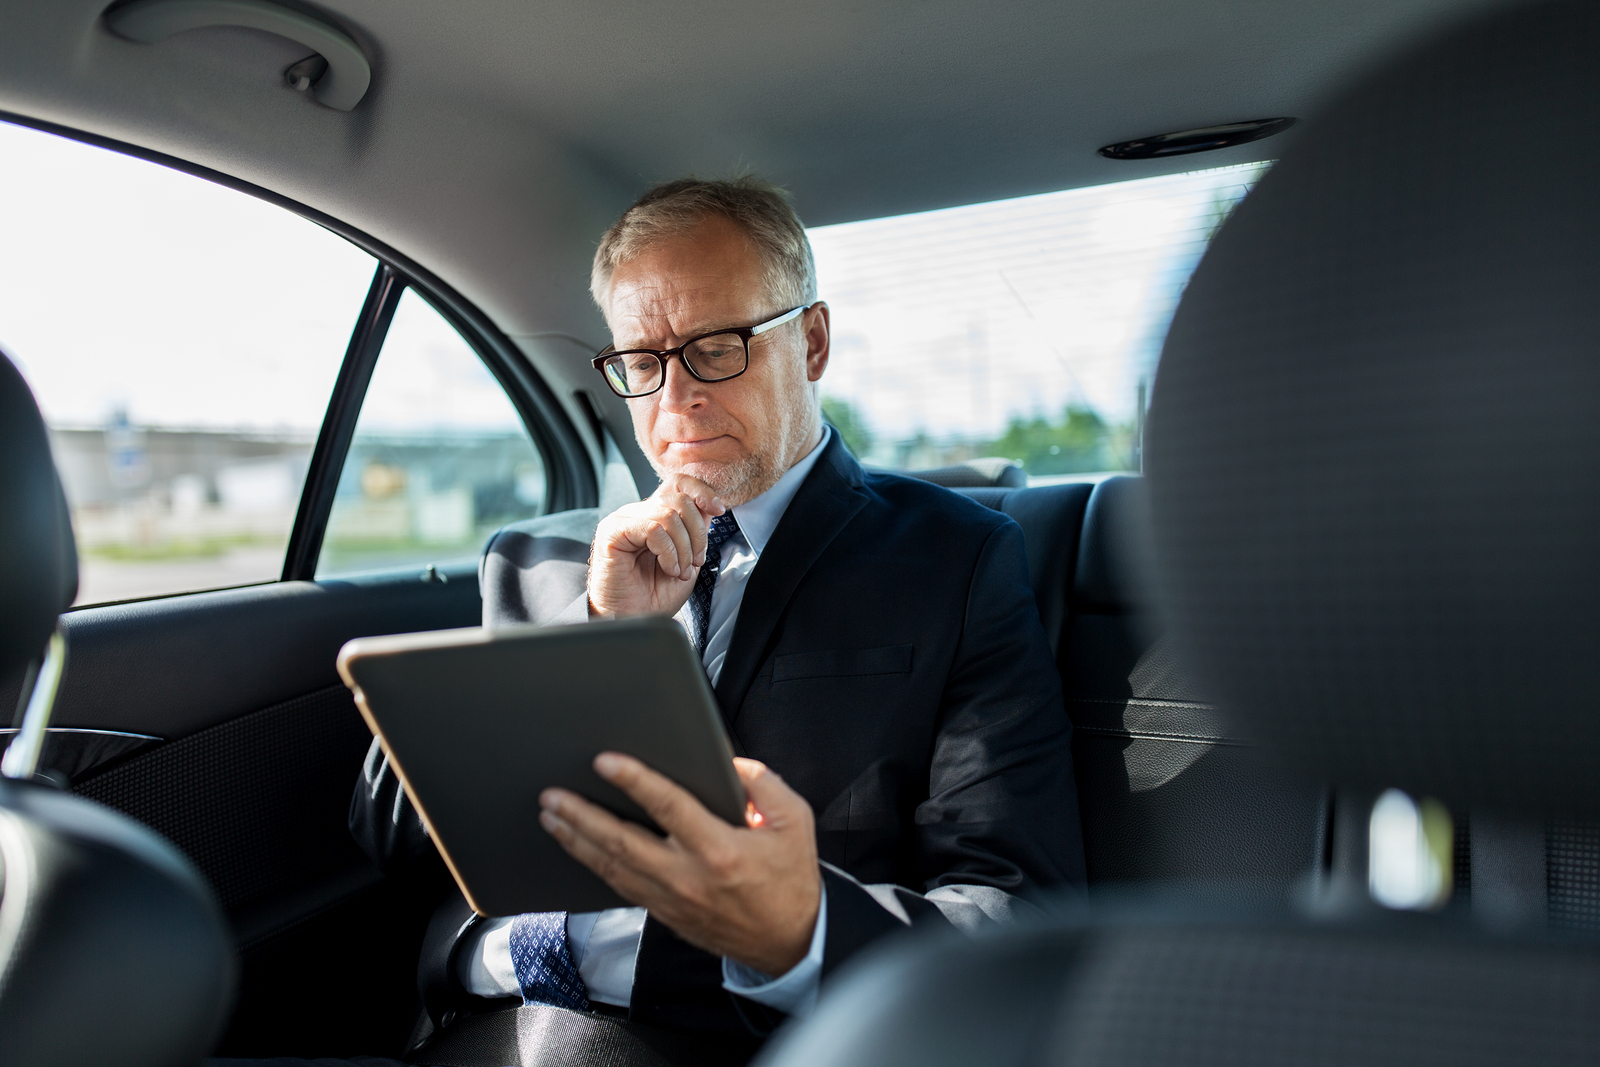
[1166,794]
[1051,518]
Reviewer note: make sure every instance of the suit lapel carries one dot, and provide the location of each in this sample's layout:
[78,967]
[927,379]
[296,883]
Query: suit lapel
[828,499]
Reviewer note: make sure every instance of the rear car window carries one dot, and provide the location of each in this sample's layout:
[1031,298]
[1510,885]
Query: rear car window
[182,340]
[1025,328]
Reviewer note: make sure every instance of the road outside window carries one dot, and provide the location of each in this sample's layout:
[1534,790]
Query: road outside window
[182,340]
[440,458]
[1024,328]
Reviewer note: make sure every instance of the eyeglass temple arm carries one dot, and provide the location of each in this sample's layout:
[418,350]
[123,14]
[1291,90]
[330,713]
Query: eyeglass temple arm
[773,324]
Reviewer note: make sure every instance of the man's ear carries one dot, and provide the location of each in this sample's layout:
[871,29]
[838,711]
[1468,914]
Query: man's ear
[817,333]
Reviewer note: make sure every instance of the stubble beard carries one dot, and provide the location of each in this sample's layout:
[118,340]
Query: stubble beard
[742,480]
[735,482]
[747,477]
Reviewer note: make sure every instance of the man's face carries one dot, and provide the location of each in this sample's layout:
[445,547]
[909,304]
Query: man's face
[738,436]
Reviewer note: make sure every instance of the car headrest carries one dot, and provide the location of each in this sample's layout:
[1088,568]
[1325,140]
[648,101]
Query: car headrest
[38,563]
[1112,570]
[1374,444]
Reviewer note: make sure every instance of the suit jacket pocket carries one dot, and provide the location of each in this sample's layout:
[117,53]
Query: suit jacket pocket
[844,662]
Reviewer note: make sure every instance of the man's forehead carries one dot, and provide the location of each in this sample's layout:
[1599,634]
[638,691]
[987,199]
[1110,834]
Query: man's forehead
[705,278]
[659,306]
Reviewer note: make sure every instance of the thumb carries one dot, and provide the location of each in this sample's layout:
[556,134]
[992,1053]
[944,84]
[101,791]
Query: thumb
[773,804]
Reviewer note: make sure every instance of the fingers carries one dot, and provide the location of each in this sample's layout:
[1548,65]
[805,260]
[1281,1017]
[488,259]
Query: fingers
[774,804]
[671,526]
[683,518]
[705,498]
[647,555]
[628,857]
[750,896]
[668,540]
[750,769]
[601,857]
[673,807]
[694,525]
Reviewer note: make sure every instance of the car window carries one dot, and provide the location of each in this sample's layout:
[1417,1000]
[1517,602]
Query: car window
[1025,328]
[182,340]
[440,457]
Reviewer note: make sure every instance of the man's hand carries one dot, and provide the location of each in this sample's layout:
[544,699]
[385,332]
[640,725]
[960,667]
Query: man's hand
[749,893]
[646,556]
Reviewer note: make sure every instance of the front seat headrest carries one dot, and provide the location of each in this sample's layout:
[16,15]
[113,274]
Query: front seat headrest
[38,563]
[1374,444]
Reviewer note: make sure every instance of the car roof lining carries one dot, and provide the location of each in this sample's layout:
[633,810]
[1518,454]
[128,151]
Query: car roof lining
[497,143]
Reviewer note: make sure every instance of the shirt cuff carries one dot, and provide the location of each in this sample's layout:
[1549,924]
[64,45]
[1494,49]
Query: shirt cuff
[484,965]
[794,992]
[609,952]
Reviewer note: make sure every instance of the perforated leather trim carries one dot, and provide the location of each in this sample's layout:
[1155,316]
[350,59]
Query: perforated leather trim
[259,803]
[1572,857]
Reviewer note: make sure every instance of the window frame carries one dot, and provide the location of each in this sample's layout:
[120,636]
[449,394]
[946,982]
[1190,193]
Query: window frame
[571,480]
[332,450]
[338,429]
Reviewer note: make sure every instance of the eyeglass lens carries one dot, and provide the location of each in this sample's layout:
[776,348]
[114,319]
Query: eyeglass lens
[712,359]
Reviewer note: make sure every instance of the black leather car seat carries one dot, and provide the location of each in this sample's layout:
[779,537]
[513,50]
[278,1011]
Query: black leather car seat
[1167,793]
[1374,466]
[112,950]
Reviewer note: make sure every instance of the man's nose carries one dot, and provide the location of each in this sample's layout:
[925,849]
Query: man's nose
[681,391]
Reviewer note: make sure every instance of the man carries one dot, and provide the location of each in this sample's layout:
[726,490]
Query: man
[872,640]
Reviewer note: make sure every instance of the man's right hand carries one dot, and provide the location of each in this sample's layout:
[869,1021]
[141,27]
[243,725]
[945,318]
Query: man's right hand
[646,556]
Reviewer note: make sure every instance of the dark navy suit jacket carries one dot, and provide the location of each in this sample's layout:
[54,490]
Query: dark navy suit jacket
[888,661]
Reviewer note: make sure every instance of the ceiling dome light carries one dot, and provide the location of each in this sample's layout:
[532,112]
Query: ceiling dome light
[1202,140]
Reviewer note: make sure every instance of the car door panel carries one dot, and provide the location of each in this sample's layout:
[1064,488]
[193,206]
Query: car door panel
[260,748]
[174,666]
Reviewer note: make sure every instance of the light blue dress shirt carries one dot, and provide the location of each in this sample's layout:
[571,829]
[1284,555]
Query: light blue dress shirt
[605,944]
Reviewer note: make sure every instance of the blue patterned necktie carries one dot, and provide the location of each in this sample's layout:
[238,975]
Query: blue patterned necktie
[543,961]
[723,527]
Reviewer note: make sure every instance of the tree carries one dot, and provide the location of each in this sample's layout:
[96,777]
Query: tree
[1079,442]
[851,426]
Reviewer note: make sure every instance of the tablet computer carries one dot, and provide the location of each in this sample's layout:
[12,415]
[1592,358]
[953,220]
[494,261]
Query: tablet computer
[477,722]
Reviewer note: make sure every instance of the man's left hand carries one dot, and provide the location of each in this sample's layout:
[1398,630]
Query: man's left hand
[750,893]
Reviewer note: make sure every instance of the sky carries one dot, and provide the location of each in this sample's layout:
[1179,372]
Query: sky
[125,284]
[128,286]
[951,322]
[428,378]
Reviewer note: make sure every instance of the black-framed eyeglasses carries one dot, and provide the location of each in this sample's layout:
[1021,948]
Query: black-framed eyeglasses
[711,357]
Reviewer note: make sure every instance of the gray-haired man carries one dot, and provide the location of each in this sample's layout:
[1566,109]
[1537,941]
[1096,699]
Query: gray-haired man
[871,638]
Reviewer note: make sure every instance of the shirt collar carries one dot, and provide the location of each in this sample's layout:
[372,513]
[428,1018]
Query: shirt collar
[759,516]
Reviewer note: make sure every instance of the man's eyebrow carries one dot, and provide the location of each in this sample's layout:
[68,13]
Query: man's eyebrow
[699,331]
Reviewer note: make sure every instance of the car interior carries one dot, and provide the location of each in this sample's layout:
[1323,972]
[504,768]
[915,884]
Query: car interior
[1349,572]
